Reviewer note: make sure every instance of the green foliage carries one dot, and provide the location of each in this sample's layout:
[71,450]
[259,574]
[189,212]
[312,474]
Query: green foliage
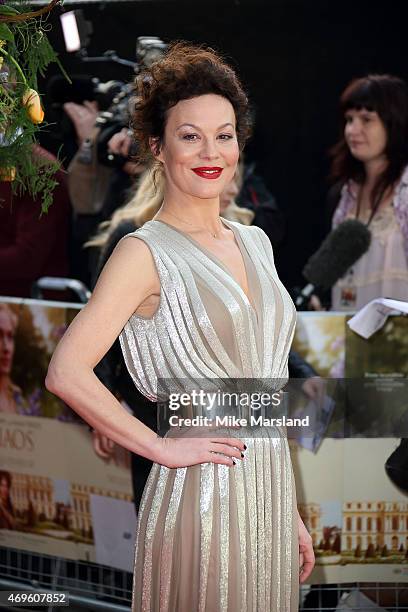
[6,33]
[39,174]
[26,50]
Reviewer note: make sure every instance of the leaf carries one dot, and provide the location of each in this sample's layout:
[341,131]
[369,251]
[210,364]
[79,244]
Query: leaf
[61,67]
[8,10]
[6,33]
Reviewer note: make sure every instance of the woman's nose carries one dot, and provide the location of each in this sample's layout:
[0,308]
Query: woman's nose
[209,149]
[353,127]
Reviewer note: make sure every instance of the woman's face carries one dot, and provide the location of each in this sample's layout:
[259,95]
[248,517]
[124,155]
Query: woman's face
[6,343]
[200,148]
[365,134]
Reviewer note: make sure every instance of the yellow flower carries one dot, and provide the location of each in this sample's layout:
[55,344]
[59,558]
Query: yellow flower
[7,174]
[2,44]
[32,102]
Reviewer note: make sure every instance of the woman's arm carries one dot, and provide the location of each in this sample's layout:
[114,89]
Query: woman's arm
[118,293]
[127,280]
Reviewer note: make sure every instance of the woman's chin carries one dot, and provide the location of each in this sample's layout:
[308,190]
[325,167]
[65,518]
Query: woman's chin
[207,194]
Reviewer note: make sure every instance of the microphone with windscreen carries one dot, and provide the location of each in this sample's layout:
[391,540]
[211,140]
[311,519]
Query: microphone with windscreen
[337,253]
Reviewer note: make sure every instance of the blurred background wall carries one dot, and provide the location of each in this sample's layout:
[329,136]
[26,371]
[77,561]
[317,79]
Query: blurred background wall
[294,57]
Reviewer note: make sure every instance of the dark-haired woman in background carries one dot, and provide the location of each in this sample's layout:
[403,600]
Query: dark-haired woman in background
[370,162]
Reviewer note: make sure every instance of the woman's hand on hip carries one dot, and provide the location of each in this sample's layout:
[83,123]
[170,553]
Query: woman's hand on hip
[185,451]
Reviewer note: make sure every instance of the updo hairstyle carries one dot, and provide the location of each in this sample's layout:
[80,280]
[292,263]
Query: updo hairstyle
[184,72]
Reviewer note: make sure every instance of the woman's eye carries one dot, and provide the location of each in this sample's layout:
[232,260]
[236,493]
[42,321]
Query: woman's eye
[226,136]
[190,137]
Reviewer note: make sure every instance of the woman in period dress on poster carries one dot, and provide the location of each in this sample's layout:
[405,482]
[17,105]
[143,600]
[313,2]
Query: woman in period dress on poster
[193,297]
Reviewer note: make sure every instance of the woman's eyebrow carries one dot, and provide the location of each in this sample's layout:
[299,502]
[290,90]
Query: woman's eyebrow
[187,125]
[196,127]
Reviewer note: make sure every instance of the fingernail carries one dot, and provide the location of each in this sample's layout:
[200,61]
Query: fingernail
[242,455]
[234,462]
[245,446]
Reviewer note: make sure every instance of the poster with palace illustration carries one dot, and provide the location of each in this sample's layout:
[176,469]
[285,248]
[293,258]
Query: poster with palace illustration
[55,492]
[357,517]
[58,497]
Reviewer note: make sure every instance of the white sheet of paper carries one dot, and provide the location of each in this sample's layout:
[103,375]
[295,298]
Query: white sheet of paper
[114,526]
[373,315]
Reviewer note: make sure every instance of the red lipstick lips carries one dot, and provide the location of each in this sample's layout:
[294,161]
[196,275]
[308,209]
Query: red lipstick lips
[208,172]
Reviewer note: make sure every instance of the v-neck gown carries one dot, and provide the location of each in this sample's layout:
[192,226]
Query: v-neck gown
[214,538]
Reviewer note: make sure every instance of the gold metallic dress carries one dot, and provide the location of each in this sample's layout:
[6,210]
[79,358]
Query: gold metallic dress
[214,538]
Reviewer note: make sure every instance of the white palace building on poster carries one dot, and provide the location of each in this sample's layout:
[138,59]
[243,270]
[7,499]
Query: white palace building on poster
[381,523]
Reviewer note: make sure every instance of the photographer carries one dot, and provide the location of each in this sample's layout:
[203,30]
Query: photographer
[102,171]
[100,175]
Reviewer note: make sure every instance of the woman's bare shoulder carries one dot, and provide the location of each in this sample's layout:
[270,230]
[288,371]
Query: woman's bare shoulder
[128,278]
[126,281]
[132,256]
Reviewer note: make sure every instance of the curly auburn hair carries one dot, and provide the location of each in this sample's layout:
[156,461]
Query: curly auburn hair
[186,71]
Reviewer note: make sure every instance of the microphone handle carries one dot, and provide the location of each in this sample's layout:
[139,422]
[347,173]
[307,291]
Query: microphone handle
[305,295]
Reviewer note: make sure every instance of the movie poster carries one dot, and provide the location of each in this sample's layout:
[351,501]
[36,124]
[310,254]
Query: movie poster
[30,331]
[320,340]
[377,383]
[48,478]
[357,517]
[55,492]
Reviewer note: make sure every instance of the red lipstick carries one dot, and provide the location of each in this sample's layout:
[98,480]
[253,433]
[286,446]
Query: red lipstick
[208,172]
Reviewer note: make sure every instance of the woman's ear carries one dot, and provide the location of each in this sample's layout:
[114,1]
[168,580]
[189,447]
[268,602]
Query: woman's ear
[155,147]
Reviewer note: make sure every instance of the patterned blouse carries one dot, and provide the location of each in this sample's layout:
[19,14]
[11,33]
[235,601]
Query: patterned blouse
[383,270]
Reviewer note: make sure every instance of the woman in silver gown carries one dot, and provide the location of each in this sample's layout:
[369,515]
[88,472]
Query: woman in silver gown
[194,297]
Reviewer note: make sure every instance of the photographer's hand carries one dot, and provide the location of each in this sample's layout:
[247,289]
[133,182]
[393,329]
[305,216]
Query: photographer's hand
[314,387]
[83,116]
[120,144]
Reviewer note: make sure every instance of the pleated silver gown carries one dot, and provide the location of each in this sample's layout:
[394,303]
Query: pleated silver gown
[213,538]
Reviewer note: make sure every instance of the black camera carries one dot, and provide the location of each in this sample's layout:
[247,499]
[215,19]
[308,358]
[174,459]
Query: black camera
[112,121]
[148,50]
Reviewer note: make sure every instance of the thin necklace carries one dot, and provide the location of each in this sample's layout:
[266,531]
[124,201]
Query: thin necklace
[214,235]
[375,207]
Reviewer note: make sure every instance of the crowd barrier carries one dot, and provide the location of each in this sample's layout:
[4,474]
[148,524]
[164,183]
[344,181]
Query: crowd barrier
[59,530]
